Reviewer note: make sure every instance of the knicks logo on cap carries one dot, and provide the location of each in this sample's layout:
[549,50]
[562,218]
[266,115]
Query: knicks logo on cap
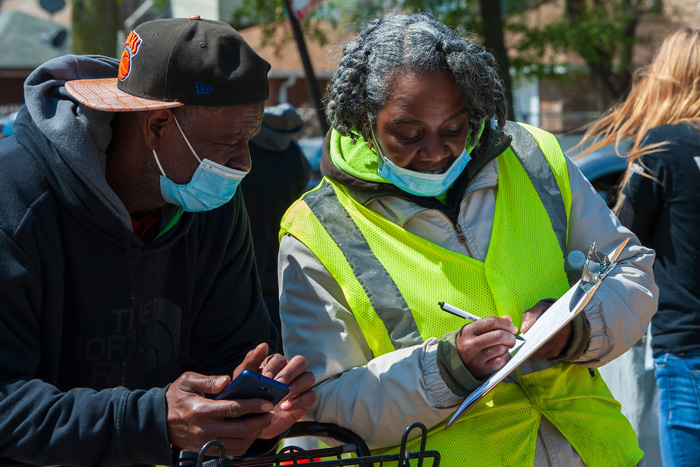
[131,47]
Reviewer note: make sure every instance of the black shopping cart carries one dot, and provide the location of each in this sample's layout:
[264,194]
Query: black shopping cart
[327,457]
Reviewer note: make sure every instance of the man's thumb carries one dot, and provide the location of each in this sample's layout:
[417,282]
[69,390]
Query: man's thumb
[205,384]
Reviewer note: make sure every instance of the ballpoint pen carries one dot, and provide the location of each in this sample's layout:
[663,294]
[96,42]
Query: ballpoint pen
[466,315]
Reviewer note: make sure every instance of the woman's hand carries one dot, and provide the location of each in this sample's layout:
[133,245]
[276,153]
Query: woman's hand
[299,400]
[484,345]
[558,343]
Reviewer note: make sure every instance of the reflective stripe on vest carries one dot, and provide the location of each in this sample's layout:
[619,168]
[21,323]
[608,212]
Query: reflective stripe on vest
[386,271]
[535,163]
[380,288]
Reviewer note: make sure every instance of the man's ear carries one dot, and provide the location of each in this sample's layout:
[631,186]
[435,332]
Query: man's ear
[156,124]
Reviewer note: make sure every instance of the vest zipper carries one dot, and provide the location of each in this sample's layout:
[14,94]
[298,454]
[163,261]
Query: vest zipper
[460,236]
[462,239]
[458,230]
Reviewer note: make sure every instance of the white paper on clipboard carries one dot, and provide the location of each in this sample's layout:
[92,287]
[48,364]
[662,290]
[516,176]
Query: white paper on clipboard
[549,323]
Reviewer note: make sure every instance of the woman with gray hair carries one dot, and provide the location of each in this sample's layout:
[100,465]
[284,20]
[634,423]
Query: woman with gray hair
[430,196]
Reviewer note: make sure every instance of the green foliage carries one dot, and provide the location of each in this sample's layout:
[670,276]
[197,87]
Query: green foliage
[600,31]
[271,15]
[94,27]
[598,34]
[351,14]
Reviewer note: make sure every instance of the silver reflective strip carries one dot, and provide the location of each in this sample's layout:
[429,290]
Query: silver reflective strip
[383,294]
[537,168]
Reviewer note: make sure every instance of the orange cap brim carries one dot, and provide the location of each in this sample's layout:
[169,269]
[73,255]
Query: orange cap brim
[103,94]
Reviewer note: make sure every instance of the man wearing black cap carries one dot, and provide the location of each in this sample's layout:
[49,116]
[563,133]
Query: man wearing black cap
[128,288]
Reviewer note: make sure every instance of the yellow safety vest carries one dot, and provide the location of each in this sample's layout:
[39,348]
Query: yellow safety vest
[393,280]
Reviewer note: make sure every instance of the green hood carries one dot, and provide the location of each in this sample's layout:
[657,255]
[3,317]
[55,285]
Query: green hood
[355,166]
[358,160]
[355,159]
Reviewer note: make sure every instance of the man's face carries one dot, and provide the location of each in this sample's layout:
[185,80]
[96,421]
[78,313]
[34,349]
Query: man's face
[220,136]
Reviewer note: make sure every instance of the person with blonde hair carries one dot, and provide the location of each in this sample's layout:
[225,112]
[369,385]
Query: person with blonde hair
[659,200]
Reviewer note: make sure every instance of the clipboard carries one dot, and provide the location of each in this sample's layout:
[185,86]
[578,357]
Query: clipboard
[596,269]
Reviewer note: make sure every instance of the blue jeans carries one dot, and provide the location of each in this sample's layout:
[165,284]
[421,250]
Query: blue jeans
[678,379]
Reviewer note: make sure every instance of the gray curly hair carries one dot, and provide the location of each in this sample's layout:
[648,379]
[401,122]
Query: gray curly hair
[410,43]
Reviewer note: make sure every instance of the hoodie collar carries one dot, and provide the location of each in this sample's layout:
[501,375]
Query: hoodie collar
[79,135]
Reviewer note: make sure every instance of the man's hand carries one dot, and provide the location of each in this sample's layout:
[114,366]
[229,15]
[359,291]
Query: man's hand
[558,343]
[484,344]
[194,420]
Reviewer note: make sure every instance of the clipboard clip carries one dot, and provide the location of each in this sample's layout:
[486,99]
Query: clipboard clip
[598,266]
[595,269]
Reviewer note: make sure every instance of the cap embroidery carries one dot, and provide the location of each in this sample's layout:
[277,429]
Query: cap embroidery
[131,47]
[203,89]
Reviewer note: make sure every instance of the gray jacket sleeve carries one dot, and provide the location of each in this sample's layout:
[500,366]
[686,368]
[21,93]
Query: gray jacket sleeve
[621,310]
[367,395]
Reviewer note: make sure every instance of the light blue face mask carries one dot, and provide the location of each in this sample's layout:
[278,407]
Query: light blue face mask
[420,183]
[212,184]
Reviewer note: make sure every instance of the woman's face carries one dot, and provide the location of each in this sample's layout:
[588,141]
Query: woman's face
[424,124]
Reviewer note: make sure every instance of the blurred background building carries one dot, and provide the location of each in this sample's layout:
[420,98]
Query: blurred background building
[553,86]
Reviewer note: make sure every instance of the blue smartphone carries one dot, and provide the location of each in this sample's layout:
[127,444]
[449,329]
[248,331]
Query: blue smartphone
[250,385]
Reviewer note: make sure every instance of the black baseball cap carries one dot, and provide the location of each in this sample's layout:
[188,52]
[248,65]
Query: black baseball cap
[176,61]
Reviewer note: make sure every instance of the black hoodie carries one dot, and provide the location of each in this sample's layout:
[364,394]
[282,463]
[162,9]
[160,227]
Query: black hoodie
[93,323]
[664,212]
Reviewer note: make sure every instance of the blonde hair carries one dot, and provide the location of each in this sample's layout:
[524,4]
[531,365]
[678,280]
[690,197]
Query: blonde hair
[665,92]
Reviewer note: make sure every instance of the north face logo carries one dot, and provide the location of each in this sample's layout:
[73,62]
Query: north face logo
[203,89]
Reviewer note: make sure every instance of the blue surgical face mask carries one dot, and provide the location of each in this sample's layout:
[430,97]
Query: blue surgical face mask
[212,184]
[420,183]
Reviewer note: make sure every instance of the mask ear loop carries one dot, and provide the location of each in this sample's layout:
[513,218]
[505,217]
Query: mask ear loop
[158,162]
[380,155]
[186,140]
[373,140]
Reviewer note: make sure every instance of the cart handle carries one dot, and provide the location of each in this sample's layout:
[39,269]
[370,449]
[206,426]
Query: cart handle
[329,430]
